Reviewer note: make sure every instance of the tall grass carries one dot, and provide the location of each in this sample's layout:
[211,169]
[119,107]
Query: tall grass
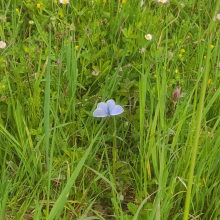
[159,159]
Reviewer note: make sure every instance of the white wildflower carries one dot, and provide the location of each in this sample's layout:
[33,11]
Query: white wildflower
[2,44]
[148,37]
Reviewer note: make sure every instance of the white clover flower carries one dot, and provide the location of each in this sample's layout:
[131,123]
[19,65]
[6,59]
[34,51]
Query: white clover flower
[2,44]
[96,72]
[142,50]
[64,1]
[121,197]
[148,37]
[162,1]
[53,18]
[170,54]
[218,16]
[31,22]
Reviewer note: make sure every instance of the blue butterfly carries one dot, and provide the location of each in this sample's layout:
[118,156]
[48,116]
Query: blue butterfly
[107,108]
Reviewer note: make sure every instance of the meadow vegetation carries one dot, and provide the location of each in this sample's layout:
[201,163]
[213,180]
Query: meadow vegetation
[159,60]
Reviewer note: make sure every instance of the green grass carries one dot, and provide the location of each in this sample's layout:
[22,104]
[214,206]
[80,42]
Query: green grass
[159,160]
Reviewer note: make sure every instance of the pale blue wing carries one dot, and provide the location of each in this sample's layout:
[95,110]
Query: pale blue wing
[111,105]
[99,113]
[117,110]
[104,107]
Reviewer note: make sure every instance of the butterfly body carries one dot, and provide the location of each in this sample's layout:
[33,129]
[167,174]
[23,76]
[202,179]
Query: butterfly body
[107,109]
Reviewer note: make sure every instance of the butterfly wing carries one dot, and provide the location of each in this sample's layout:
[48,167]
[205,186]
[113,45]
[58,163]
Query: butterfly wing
[108,108]
[99,113]
[103,106]
[117,110]
[111,104]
